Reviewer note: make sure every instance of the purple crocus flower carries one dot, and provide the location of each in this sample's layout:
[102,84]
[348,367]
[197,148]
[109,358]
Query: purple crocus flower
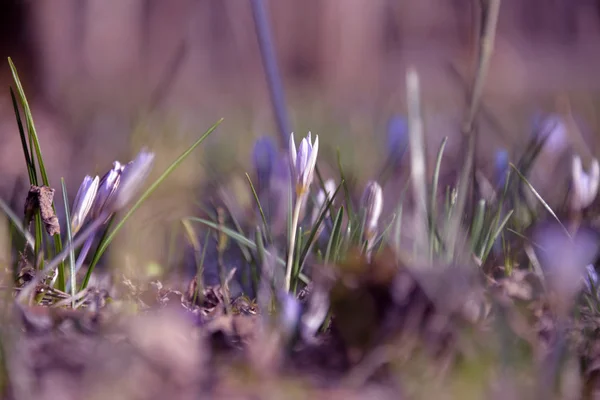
[501,166]
[397,137]
[264,157]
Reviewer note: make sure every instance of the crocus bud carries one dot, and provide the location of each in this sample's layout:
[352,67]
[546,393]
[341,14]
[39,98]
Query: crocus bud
[107,188]
[315,314]
[133,176]
[290,311]
[302,162]
[322,198]
[83,202]
[564,260]
[501,167]
[264,157]
[372,202]
[397,137]
[584,185]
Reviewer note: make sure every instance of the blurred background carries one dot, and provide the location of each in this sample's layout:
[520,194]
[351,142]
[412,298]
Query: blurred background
[106,77]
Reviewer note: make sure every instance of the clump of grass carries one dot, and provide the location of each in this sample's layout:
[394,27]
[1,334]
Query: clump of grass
[120,192]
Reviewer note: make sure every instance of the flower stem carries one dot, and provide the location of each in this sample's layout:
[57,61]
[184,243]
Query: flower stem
[290,260]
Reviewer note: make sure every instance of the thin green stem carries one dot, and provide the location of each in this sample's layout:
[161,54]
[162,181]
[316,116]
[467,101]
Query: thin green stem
[290,260]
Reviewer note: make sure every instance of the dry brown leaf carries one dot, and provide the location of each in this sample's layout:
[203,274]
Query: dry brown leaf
[40,198]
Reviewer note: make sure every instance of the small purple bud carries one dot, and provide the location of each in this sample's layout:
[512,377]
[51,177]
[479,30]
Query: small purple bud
[501,168]
[397,137]
[264,157]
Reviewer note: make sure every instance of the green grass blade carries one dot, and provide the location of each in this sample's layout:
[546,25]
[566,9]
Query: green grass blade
[384,234]
[30,123]
[233,235]
[335,232]
[497,232]
[200,266]
[477,225]
[32,178]
[193,239]
[33,137]
[249,257]
[296,264]
[18,224]
[457,208]
[109,238]
[88,274]
[261,258]
[69,240]
[434,194]
[540,199]
[347,197]
[398,227]
[260,209]
[28,163]
[316,227]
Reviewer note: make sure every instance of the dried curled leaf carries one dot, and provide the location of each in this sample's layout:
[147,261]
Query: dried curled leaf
[40,198]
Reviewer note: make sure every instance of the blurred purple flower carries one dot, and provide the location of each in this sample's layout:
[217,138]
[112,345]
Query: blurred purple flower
[397,137]
[290,311]
[564,260]
[264,157]
[501,168]
[553,128]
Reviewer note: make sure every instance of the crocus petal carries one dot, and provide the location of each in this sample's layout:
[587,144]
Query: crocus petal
[330,187]
[373,203]
[107,188]
[292,150]
[303,156]
[83,202]
[311,163]
[132,179]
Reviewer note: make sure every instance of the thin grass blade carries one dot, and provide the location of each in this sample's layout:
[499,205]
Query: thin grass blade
[69,241]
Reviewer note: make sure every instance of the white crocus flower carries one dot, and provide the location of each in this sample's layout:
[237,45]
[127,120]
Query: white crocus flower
[83,202]
[302,168]
[115,190]
[585,185]
[303,161]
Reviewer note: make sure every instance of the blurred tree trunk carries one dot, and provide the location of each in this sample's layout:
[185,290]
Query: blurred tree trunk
[351,46]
